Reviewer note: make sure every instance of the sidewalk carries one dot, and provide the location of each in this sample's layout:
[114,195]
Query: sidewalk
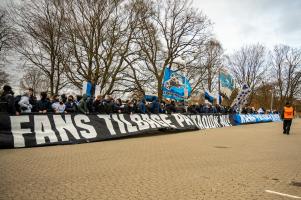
[228,163]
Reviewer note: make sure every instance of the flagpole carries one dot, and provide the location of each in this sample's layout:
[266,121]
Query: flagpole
[219,85]
[185,86]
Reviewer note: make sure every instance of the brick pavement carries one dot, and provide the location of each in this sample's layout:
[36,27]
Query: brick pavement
[227,163]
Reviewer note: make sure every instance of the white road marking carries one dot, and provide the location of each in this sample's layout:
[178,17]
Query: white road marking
[282,194]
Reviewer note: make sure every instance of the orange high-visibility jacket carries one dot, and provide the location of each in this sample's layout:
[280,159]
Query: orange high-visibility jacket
[288,112]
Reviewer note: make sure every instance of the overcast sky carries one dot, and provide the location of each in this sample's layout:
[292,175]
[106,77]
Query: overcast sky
[240,22]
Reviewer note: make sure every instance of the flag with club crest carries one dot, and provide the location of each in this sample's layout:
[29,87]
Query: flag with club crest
[226,83]
[175,85]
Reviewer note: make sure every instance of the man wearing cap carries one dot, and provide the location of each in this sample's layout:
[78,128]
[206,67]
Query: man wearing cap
[287,115]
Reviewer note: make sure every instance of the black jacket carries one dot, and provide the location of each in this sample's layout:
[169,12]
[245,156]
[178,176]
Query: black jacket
[44,104]
[7,103]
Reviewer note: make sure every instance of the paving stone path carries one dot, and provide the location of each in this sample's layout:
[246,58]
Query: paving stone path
[226,163]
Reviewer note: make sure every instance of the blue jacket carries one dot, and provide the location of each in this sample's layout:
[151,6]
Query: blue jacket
[155,107]
[142,107]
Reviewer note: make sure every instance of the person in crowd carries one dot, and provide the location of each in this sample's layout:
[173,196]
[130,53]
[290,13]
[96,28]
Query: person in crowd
[24,103]
[59,107]
[78,98]
[83,107]
[70,105]
[148,107]
[287,116]
[118,107]
[192,109]
[206,108]
[55,102]
[155,106]
[200,108]
[162,107]
[7,101]
[142,107]
[32,100]
[180,107]
[261,110]
[64,98]
[108,104]
[219,108]
[44,104]
[90,101]
[111,104]
[171,107]
[244,110]
[213,109]
[135,106]
[17,99]
[128,107]
[98,105]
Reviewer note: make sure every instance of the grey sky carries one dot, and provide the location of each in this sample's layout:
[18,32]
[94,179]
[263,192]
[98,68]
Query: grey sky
[240,22]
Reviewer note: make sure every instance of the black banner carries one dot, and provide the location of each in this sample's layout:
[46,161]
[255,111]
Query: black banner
[55,129]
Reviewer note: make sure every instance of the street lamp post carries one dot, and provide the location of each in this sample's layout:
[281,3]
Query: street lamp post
[272,101]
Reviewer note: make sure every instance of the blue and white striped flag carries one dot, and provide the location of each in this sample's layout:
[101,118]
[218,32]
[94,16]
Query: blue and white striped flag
[219,99]
[209,96]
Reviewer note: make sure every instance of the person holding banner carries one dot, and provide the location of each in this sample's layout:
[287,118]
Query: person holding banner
[287,115]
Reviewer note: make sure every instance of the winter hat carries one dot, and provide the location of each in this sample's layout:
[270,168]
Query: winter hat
[7,88]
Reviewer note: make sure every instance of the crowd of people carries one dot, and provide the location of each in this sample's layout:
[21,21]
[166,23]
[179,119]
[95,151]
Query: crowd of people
[28,103]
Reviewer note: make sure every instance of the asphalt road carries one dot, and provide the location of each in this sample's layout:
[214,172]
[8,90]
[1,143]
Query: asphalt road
[228,163]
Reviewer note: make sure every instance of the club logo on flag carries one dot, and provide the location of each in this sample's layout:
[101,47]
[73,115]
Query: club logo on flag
[226,83]
[175,86]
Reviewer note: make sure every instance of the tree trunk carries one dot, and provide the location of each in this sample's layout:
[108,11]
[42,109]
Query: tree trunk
[57,84]
[51,86]
[160,91]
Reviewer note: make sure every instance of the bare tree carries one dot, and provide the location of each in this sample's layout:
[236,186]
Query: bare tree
[212,63]
[7,34]
[286,65]
[3,77]
[7,37]
[167,30]
[248,65]
[99,40]
[41,24]
[35,79]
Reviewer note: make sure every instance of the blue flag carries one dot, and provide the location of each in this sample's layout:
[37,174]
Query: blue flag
[209,97]
[174,85]
[219,99]
[87,88]
[226,83]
